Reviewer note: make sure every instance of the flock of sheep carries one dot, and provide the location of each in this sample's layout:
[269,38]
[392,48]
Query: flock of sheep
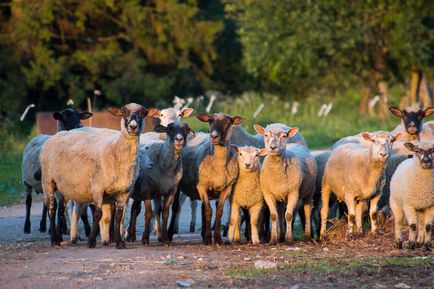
[270,175]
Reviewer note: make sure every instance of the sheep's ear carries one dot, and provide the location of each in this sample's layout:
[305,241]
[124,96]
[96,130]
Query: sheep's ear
[367,136]
[259,129]
[57,115]
[191,132]
[152,111]
[202,117]
[160,128]
[292,131]
[410,146]
[85,115]
[186,112]
[396,111]
[262,152]
[428,111]
[116,111]
[397,137]
[235,149]
[237,120]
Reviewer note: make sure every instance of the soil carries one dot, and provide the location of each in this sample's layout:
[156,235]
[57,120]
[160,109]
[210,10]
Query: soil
[29,261]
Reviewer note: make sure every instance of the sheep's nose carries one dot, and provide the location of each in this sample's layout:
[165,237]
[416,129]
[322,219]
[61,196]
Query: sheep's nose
[133,126]
[247,165]
[273,147]
[179,139]
[383,155]
[214,135]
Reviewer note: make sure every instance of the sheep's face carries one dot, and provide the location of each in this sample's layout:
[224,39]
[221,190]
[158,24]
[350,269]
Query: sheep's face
[169,115]
[132,117]
[220,126]
[381,146]
[412,119]
[248,158]
[176,133]
[423,152]
[275,138]
[70,118]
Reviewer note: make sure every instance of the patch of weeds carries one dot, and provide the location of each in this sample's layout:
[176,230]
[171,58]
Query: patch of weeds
[314,265]
[246,272]
[407,260]
[11,187]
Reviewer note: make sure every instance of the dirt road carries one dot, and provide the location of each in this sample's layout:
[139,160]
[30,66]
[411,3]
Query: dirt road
[28,261]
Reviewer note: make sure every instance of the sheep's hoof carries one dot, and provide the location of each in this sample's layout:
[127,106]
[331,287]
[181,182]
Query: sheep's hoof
[398,245]
[427,246]
[160,240]
[289,242]
[192,229]
[145,242]
[218,241]
[207,241]
[121,245]
[74,241]
[324,238]
[272,242]
[352,236]
[105,243]
[91,243]
[42,227]
[419,244]
[27,228]
[411,245]
[168,243]
[55,243]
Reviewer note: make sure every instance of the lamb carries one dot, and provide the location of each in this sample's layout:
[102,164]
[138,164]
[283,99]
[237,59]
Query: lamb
[241,137]
[67,119]
[412,123]
[287,175]
[412,193]
[210,171]
[247,193]
[355,173]
[106,167]
[160,181]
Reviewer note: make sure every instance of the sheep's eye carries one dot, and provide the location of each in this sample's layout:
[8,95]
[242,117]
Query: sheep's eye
[180,115]
[257,155]
[161,115]
[241,154]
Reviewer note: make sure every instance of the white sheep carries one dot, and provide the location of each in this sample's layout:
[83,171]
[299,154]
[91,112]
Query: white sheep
[67,119]
[210,171]
[412,127]
[247,193]
[355,173]
[287,175]
[412,194]
[88,166]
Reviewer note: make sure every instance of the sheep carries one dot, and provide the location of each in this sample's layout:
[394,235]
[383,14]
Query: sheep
[247,192]
[412,123]
[106,165]
[67,119]
[241,137]
[355,173]
[210,171]
[287,175]
[412,194]
[161,181]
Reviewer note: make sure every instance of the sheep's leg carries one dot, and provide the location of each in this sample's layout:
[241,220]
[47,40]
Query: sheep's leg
[428,222]
[421,229]
[349,200]
[289,214]
[206,215]
[193,206]
[156,214]
[112,222]
[175,212]
[97,197]
[248,230]
[218,215]
[325,198]
[411,215]
[373,212]
[105,223]
[121,203]
[234,222]
[271,203]
[48,187]
[281,209]
[254,212]
[76,212]
[60,216]
[148,218]
[85,219]
[359,213]
[135,211]
[182,199]
[168,200]
[307,207]
[398,215]
[43,223]
[27,224]
[65,219]
[265,224]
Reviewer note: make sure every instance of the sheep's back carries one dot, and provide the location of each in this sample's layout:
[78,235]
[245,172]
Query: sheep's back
[30,163]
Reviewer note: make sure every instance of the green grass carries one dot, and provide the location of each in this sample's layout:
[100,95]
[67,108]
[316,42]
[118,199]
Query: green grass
[246,272]
[11,187]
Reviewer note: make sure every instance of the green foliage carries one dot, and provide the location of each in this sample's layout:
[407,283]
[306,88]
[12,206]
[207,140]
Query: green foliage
[11,187]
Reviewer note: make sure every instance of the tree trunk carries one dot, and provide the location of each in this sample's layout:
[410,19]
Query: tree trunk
[425,97]
[383,92]
[414,87]
[364,100]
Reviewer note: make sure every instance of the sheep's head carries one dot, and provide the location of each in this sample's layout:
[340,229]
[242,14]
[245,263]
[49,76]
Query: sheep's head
[169,115]
[248,157]
[70,118]
[132,117]
[412,118]
[220,126]
[275,137]
[423,152]
[176,133]
[381,144]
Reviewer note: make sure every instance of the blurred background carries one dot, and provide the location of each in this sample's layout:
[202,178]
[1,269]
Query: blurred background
[330,67]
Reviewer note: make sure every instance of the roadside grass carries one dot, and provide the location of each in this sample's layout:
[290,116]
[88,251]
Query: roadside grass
[11,187]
